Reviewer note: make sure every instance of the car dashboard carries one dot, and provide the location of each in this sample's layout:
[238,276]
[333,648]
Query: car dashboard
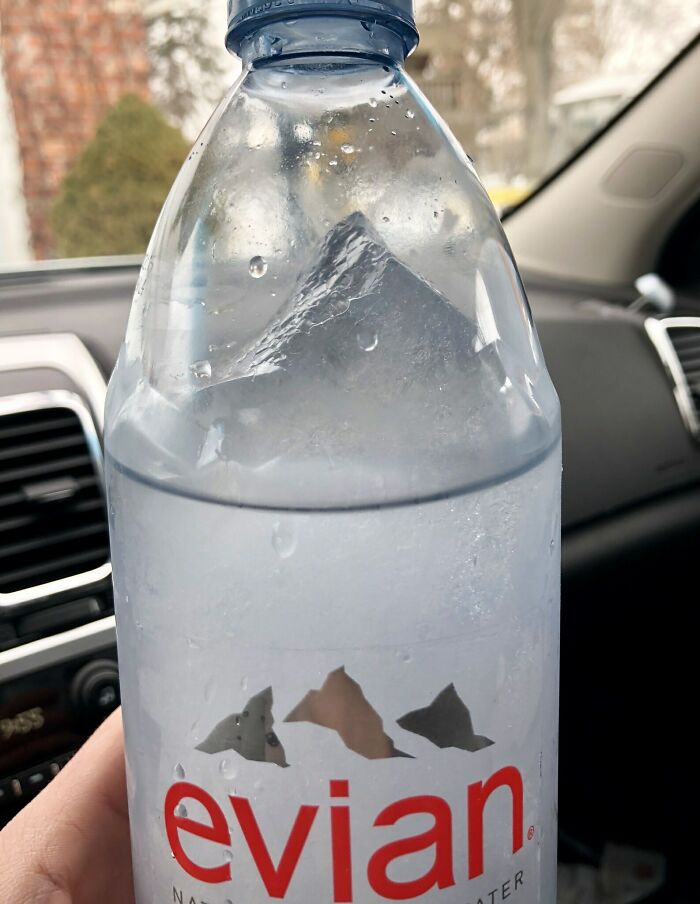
[631,514]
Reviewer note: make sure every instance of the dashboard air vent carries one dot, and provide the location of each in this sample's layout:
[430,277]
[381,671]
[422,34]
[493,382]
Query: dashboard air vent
[677,340]
[53,530]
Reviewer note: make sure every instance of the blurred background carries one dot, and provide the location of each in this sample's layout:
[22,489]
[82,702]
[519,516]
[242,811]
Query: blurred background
[100,99]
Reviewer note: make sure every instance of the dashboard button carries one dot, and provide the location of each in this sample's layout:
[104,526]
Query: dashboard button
[95,687]
[61,761]
[36,779]
[27,784]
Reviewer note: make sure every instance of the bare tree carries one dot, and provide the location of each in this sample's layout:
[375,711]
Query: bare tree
[510,57]
[534,25]
[644,34]
[187,71]
[579,45]
[461,60]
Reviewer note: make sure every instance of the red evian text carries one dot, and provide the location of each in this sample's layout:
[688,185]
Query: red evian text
[277,877]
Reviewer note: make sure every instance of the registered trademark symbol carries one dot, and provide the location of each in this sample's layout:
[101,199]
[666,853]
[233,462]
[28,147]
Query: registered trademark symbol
[530,833]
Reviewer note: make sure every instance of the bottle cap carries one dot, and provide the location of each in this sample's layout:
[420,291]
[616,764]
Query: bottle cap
[245,16]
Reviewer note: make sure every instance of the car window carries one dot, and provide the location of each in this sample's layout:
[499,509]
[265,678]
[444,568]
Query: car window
[99,103]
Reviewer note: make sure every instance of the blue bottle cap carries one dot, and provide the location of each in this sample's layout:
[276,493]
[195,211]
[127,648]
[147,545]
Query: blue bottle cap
[245,16]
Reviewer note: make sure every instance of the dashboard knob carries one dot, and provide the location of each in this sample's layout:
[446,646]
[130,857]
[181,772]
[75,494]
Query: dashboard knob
[95,687]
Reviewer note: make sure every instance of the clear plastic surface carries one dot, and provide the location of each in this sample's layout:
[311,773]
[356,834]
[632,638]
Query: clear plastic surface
[328,314]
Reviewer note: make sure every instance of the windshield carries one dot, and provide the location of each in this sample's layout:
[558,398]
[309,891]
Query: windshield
[99,102]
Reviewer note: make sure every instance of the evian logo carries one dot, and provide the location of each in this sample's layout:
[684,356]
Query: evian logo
[445,722]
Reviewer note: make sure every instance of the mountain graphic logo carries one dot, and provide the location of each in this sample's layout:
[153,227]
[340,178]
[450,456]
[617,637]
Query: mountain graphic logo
[340,705]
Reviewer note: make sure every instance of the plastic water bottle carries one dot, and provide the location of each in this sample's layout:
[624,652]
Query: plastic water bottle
[333,467]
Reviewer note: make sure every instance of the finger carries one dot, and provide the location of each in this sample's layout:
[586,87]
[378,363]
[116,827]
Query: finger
[72,841]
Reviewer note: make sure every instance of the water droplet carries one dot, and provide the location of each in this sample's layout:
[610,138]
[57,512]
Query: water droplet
[181,810]
[228,901]
[410,114]
[404,655]
[244,679]
[347,148]
[385,219]
[367,339]
[283,85]
[228,768]
[257,266]
[393,132]
[201,369]
[178,771]
[333,162]
[372,102]
[283,539]
[317,155]
[227,855]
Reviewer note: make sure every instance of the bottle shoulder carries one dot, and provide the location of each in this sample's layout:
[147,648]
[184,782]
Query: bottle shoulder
[329,311]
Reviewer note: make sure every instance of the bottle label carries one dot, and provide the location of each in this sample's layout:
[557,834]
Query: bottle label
[330,801]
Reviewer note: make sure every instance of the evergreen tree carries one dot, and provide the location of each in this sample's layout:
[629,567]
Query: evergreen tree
[109,201]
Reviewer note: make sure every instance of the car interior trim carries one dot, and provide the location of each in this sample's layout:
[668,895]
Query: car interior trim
[657,330]
[48,651]
[60,351]
[58,264]
[626,535]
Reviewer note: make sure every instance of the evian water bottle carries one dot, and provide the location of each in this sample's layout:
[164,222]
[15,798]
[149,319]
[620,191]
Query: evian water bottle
[333,471]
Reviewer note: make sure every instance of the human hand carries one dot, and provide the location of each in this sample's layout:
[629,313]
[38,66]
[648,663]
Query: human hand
[70,845]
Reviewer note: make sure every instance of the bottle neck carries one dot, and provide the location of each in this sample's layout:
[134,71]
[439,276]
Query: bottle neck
[313,35]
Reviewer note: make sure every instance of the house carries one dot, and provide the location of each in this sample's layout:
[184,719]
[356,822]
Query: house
[62,65]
